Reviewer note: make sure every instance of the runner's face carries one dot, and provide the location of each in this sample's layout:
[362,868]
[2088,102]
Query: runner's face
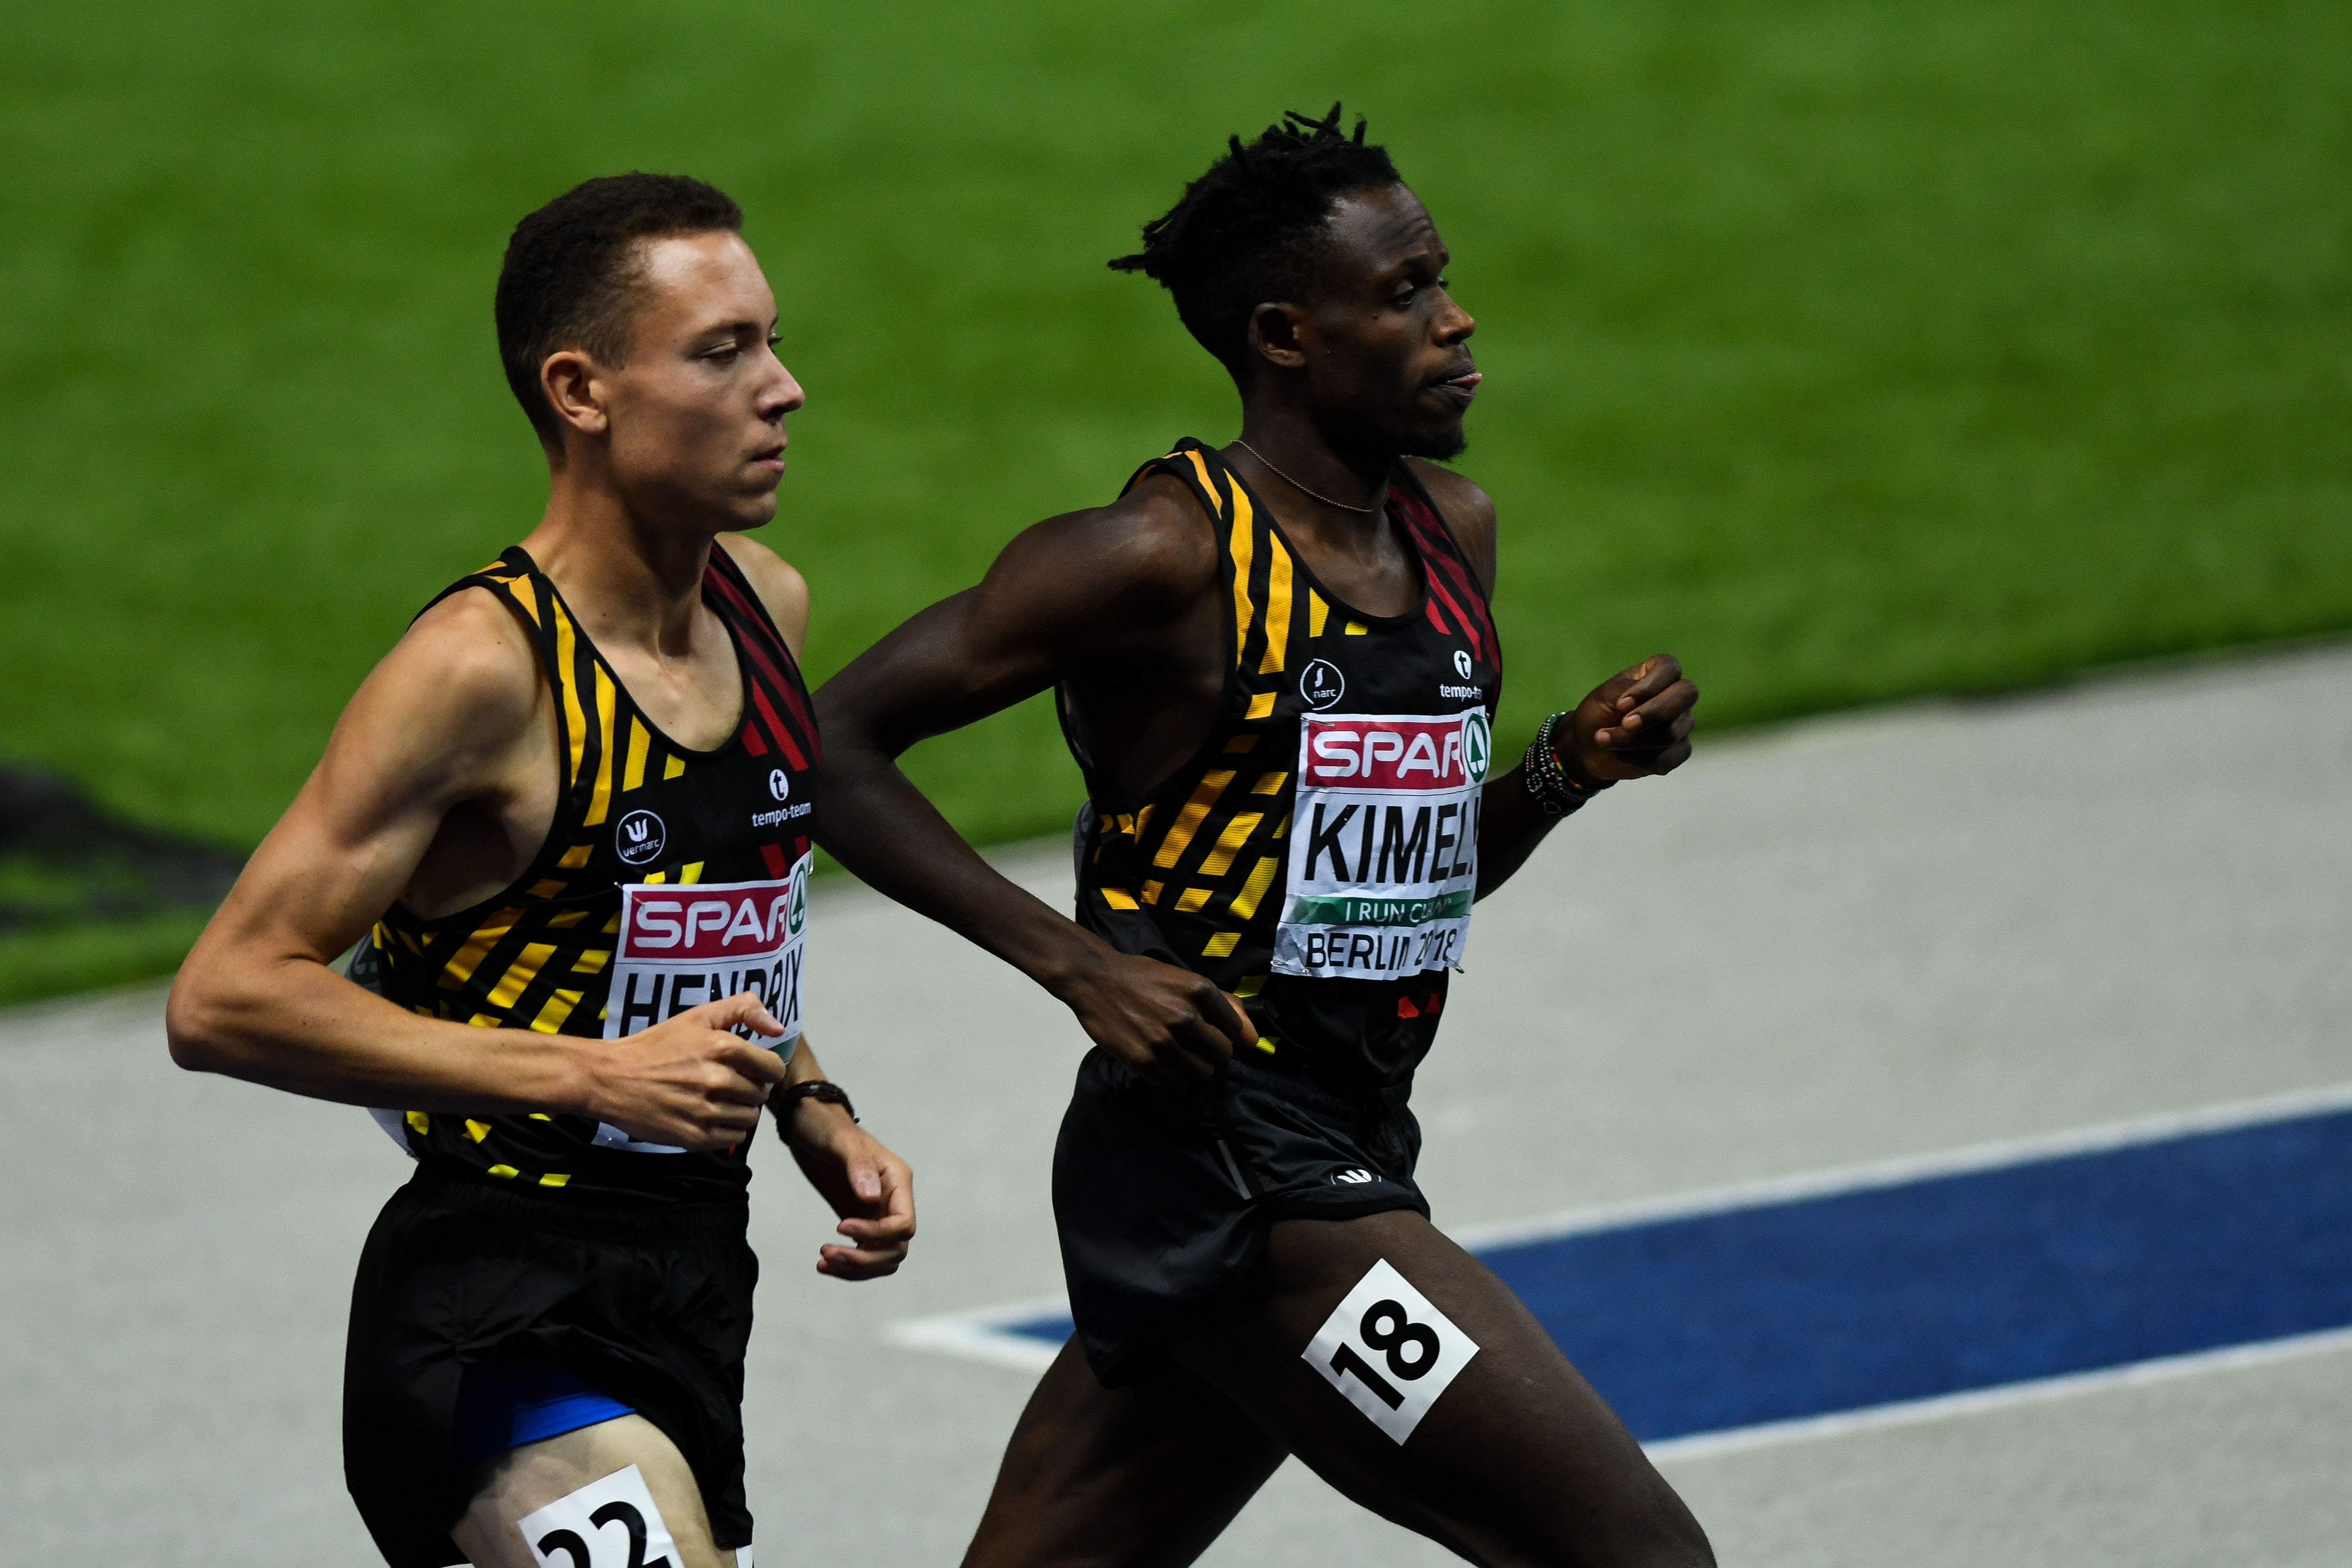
[1389,352]
[698,413]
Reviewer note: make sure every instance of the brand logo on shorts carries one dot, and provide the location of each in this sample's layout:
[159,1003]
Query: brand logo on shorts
[1353,1178]
[779,784]
[1321,684]
[639,836]
[1461,663]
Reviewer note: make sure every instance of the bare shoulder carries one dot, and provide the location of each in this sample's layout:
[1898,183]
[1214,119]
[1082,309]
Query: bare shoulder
[1468,509]
[452,701]
[777,582]
[1151,549]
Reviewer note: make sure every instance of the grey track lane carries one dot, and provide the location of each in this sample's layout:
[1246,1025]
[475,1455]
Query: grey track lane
[1867,937]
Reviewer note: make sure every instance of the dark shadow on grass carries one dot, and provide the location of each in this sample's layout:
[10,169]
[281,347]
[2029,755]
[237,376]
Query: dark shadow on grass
[87,899]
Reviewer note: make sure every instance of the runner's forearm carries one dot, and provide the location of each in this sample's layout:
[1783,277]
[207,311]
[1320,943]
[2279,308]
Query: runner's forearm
[1509,829]
[885,831]
[293,1023]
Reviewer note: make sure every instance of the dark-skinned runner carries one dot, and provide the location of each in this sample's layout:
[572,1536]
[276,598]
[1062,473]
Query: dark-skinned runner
[1276,665]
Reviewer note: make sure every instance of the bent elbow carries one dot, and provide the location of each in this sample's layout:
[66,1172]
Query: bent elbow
[185,1020]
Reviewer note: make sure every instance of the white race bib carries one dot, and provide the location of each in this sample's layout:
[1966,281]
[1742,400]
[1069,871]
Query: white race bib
[682,946]
[1383,845]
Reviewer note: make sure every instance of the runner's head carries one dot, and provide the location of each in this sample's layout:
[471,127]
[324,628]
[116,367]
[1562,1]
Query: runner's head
[1303,262]
[635,323]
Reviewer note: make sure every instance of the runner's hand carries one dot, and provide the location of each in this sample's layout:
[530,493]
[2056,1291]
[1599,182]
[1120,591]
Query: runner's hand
[1169,1024]
[686,1081]
[1632,725]
[870,1187]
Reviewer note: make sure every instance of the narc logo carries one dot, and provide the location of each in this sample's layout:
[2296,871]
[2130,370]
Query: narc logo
[639,838]
[1321,684]
[1478,745]
[779,784]
[1461,668]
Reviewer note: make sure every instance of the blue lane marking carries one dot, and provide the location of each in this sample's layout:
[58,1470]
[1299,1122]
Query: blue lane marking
[2069,1264]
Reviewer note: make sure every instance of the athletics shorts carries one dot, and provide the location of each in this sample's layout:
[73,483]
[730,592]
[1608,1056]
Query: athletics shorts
[1163,1199]
[650,1306]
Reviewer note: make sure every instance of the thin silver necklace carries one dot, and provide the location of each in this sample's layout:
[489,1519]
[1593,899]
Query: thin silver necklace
[1364,511]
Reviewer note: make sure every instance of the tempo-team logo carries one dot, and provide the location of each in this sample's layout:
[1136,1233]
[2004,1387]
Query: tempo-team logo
[1461,663]
[779,784]
[1321,684]
[639,836]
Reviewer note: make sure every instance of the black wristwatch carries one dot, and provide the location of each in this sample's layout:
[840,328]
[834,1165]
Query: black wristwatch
[821,1089]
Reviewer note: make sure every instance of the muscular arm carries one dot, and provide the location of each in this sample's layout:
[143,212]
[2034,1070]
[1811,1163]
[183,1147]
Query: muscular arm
[1635,724]
[1071,594]
[450,722]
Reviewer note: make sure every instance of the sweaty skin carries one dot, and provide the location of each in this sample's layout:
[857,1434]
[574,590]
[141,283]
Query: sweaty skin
[440,784]
[1519,1462]
[1121,605]
[441,779]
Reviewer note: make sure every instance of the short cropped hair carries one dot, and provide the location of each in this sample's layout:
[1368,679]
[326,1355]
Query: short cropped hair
[571,267]
[1245,233]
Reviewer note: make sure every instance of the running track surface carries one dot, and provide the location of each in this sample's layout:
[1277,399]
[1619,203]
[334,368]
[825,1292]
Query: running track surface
[1885,1292]
[1846,945]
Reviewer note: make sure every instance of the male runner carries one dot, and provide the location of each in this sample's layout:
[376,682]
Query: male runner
[1276,665]
[571,812]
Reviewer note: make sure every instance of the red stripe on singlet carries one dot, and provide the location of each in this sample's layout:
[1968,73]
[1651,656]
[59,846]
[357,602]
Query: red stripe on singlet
[776,728]
[1436,549]
[793,745]
[778,866]
[1469,627]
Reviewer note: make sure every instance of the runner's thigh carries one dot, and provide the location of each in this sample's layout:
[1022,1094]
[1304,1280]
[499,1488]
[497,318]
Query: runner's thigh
[1516,1461]
[1143,1476]
[519,1484]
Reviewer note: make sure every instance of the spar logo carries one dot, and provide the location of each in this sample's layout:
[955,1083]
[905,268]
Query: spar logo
[1400,753]
[747,920]
[638,837]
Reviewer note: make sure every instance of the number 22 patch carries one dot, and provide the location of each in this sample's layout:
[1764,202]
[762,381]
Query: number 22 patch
[1389,1351]
[572,1532]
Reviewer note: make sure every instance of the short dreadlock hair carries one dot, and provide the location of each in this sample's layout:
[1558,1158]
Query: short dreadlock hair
[571,267]
[1244,231]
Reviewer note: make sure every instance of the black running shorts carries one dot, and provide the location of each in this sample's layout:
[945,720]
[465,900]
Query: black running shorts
[1163,1198]
[650,1304]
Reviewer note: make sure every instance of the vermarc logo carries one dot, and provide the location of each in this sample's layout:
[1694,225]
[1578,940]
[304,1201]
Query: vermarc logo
[1321,684]
[638,837]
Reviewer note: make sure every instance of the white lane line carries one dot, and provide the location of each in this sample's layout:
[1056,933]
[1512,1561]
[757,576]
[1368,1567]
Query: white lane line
[984,1335]
[1918,1167]
[1978,1401]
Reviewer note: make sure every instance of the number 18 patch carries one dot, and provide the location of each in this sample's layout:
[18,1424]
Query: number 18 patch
[1389,1351]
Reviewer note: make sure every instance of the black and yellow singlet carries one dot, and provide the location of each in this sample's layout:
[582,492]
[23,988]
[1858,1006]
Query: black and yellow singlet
[669,877]
[1317,856]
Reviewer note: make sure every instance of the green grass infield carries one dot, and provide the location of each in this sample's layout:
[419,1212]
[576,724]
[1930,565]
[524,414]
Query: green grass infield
[1853,351]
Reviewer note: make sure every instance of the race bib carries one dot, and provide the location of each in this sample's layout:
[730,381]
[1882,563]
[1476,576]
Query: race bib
[682,946]
[1383,845]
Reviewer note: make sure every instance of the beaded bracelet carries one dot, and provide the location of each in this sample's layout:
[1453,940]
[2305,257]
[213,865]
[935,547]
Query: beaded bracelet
[1555,794]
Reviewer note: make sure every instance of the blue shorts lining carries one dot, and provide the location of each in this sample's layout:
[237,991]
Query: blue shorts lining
[502,1407]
